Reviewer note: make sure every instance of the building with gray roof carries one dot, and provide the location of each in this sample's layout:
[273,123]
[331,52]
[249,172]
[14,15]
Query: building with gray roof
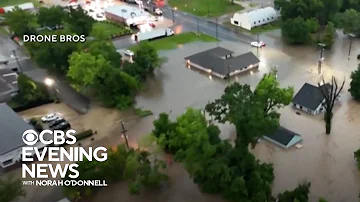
[283,137]
[12,126]
[310,99]
[220,62]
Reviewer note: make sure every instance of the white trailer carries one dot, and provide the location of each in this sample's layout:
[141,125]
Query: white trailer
[153,34]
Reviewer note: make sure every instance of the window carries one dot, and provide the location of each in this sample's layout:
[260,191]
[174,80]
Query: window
[236,22]
[263,20]
[259,21]
[272,17]
[254,23]
[268,18]
[7,162]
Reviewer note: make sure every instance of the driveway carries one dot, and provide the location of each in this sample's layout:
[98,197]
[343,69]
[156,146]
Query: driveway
[64,91]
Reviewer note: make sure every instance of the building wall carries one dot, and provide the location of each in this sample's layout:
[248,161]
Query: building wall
[114,18]
[221,75]
[313,112]
[14,156]
[254,18]
[241,21]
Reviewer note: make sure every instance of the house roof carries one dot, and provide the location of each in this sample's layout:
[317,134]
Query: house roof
[125,11]
[213,59]
[284,137]
[12,126]
[310,96]
[258,14]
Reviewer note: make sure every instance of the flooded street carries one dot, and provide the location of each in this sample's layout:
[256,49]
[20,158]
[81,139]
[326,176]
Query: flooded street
[326,160]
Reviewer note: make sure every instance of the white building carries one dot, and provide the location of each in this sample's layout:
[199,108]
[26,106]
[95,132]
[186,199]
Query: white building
[126,14]
[26,6]
[255,18]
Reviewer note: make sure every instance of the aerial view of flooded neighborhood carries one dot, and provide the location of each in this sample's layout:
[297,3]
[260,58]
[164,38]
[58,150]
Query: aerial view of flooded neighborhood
[179,101]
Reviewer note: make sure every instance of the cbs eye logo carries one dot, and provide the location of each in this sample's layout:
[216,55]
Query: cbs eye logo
[30,137]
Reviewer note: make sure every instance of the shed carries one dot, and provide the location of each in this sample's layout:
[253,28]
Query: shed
[254,18]
[283,137]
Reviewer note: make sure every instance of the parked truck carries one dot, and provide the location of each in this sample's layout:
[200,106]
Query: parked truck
[153,34]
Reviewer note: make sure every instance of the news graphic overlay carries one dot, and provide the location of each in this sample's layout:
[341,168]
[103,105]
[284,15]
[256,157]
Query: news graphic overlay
[60,166]
[62,38]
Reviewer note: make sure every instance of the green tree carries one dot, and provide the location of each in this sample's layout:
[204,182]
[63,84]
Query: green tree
[30,91]
[357,157]
[116,89]
[147,58]
[20,22]
[85,68]
[300,194]
[321,199]
[53,56]
[122,164]
[50,16]
[350,21]
[79,22]
[355,84]
[329,35]
[11,189]
[295,31]
[313,25]
[104,48]
[254,114]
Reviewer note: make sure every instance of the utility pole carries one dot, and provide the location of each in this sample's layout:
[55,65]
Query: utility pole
[198,28]
[217,37]
[351,39]
[17,61]
[173,14]
[257,47]
[321,56]
[123,132]
[228,74]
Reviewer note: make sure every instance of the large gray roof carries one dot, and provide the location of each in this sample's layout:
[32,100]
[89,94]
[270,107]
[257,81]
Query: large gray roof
[214,59]
[12,127]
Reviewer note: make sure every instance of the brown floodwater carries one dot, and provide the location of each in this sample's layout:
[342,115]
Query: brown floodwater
[325,160]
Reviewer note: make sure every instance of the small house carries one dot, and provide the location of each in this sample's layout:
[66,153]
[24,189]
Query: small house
[310,98]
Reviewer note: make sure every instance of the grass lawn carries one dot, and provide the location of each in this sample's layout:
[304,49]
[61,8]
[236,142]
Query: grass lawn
[3,31]
[206,8]
[256,30]
[4,3]
[111,29]
[173,42]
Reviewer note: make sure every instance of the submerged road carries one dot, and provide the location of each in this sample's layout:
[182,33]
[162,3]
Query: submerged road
[193,23]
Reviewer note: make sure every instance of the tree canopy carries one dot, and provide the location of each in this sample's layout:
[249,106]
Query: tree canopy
[295,31]
[30,91]
[254,113]
[299,194]
[79,22]
[122,164]
[11,189]
[50,16]
[53,56]
[20,22]
[355,84]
